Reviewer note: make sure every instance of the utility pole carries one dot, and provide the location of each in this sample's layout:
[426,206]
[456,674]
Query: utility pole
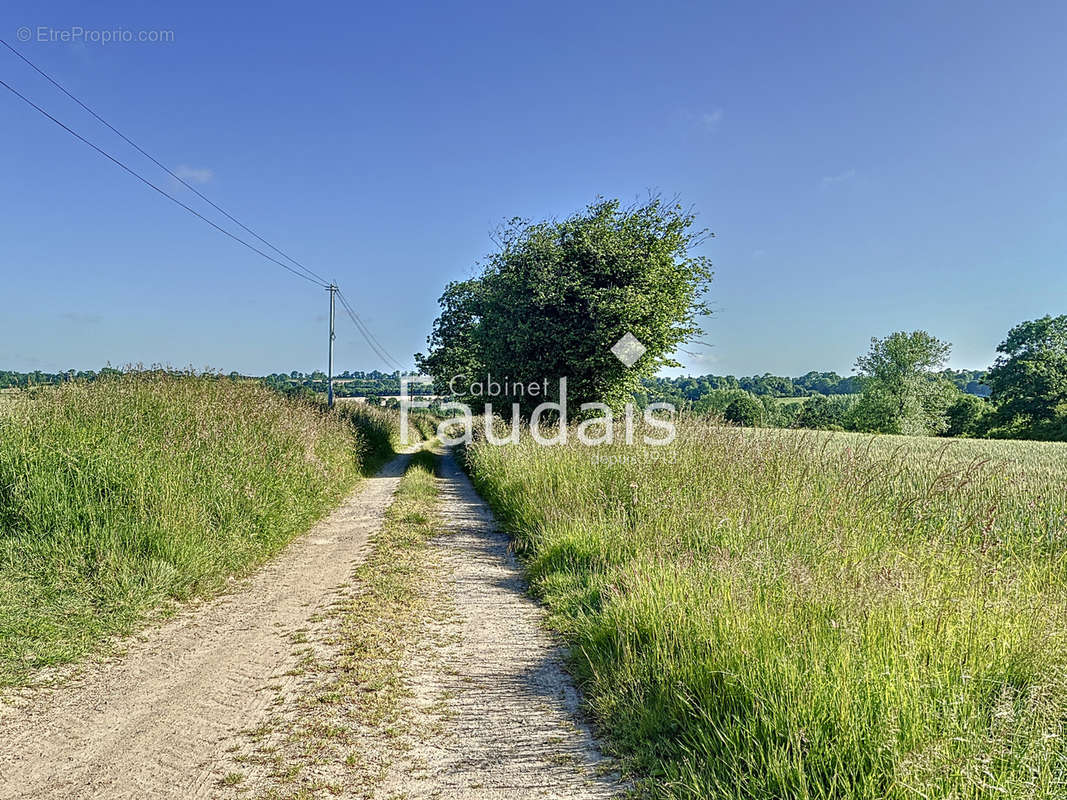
[329,379]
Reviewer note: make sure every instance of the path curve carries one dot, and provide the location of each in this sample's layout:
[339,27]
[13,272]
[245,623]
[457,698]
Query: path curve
[152,723]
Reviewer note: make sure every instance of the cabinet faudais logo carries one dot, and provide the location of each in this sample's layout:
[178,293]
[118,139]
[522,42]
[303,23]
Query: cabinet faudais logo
[628,349]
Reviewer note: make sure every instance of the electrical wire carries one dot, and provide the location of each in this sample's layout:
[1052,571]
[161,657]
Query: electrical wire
[374,344]
[151,185]
[166,169]
[305,272]
[347,303]
[369,337]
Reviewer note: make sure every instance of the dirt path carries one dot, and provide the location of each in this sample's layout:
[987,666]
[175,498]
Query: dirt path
[153,722]
[490,713]
[498,713]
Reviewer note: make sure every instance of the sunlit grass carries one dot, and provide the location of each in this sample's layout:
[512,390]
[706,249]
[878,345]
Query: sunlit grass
[119,497]
[784,614]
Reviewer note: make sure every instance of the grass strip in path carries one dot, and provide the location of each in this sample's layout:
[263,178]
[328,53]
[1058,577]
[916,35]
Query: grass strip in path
[351,659]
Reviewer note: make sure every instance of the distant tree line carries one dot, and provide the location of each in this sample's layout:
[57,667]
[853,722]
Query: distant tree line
[22,380]
[347,384]
[902,387]
[812,383]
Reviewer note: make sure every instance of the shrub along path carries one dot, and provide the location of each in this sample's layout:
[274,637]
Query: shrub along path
[153,722]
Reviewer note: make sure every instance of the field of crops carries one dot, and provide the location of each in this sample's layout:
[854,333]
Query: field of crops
[119,497]
[789,614]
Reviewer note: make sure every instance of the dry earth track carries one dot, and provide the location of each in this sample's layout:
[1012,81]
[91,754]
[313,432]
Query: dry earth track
[508,725]
[158,721]
[151,723]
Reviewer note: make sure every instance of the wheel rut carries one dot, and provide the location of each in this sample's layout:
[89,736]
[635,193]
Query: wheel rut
[500,715]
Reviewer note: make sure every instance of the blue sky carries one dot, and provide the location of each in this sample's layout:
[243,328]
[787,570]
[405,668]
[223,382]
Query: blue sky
[865,169]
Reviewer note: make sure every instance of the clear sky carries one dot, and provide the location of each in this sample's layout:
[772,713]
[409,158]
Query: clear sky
[864,169]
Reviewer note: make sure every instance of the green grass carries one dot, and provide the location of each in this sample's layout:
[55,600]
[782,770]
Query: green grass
[424,423]
[790,614]
[121,497]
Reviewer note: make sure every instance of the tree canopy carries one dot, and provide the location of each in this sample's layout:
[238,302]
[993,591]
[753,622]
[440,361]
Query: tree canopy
[745,410]
[1029,378]
[557,295]
[901,391]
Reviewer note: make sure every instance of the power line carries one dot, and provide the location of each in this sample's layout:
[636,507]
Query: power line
[364,325]
[374,344]
[151,185]
[306,273]
[166,169]
[368,336]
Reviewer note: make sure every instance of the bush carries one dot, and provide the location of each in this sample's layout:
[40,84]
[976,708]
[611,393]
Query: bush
[815,413]
[968,416]
[828,413]
[1021,427]
[778,413]
[746,411]
[714,403]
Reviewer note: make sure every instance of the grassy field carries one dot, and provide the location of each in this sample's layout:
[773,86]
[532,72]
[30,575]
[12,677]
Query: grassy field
[120,497]
[791,614]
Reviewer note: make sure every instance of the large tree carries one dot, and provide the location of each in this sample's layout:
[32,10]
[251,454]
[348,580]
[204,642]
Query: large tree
[901,391]
[1029,378]
[557,295]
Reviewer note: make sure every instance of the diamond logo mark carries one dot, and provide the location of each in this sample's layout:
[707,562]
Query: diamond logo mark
[628,349]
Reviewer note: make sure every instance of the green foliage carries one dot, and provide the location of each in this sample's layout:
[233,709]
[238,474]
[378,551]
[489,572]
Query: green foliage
[905,389]
[694,389]
[745,410]
[712,402]
[779,412]
[971,381]
[968,416]
[815,413]
[557,295]
[689,391]
[1049,430]
[122,495]
[347,384]
[901,392]
[1029,378]
[836,412]
[457,346]
[789,614]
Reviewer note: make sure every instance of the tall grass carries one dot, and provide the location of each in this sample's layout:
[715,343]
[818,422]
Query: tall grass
[784,614]
[119,497]
[378,430]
